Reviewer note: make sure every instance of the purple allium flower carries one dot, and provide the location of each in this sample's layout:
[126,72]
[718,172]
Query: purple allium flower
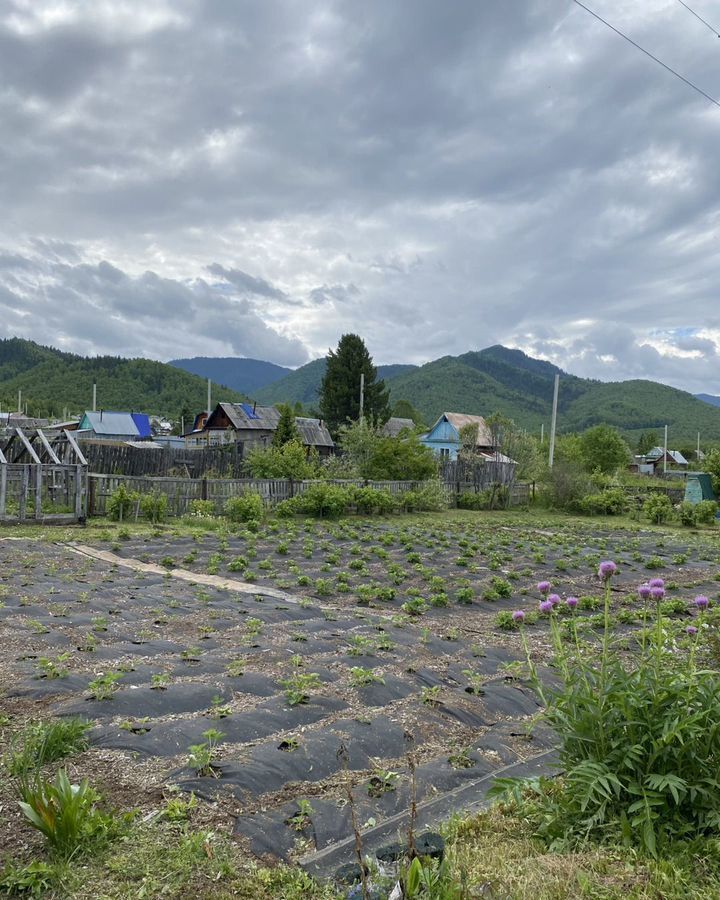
[518,616]
[572,602]
[546,606]
[656,582]
[701,602]
[544,587]
[606,569]
[645,591]
[691,630]
[554,599]
[657,592]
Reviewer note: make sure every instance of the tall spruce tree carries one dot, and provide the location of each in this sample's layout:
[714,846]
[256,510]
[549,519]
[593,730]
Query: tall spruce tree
[286,430]
[340,388]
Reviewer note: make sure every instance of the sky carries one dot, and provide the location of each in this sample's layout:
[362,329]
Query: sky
[235,177]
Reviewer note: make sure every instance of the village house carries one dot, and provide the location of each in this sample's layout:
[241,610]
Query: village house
[253,426]
[395,425]
[444,436]
[114,427]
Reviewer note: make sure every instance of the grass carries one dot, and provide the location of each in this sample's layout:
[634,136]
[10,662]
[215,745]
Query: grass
[45,742]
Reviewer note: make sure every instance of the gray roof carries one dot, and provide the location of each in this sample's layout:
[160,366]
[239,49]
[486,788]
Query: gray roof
[395,425]
[112,423]
[314,433]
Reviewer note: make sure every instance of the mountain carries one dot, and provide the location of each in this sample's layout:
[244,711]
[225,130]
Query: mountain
[303,385]
[709,398]
[52,381]
[239,373]
[511,382]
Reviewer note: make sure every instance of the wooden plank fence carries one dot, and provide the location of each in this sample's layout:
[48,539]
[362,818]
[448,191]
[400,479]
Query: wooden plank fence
[181,492]
[121,459]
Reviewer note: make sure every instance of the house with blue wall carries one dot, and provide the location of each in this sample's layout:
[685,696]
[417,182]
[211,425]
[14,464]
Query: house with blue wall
[444,437]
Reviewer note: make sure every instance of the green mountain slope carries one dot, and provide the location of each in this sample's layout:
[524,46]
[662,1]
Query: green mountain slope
[509,381]
[239,373]
[303,384]
[52,381]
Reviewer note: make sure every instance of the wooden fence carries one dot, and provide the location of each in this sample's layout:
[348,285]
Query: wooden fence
[182,491]
[121,459]
[39,492]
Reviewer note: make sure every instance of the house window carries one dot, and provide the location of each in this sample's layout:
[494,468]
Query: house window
[444,452]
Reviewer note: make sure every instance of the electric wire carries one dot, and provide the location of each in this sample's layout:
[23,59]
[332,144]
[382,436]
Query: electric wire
[647,53]
[697,16]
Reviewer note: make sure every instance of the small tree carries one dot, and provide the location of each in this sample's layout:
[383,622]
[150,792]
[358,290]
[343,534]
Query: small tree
[646,441]
[711,464]
[603,448]
[289,461]
[286,430]
[403,409]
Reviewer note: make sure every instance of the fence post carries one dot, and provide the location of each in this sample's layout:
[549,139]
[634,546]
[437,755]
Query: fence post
[203,489]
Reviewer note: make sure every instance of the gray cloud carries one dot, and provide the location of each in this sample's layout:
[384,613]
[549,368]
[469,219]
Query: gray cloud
[260,177]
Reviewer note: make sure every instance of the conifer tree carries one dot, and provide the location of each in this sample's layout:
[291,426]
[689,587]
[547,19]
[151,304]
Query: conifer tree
[286,430]
[340,388]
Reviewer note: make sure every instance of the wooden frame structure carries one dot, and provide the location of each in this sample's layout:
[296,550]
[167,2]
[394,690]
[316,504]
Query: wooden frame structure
[43,478]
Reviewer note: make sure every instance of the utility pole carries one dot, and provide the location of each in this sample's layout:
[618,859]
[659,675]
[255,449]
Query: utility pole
[542,433]
[362,394]
[553,423]
[94,396]
[20,401]
[665,453]
[698,447]
[209,407]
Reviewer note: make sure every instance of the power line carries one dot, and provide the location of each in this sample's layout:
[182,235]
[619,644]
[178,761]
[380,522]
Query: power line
[647,53]
[707,24]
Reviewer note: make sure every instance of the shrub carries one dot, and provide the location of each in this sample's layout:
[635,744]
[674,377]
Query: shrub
[658,508]
[370,500]
[473,500]
[706,511]
[639,746]
[429,497]
[608,502]
[247,507]
[154,506]
[687,514]
[323,500]
[121,503]
[202,509]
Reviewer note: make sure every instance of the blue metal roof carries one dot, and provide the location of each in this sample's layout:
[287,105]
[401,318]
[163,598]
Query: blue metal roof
[142,421]
[116,423]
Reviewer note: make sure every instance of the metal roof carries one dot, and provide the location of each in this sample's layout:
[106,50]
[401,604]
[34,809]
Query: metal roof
[103,422]
[313,432]
[460,420]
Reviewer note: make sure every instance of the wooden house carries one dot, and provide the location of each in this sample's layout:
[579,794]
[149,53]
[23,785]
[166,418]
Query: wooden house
[114,427]
[444,436]
[253,426]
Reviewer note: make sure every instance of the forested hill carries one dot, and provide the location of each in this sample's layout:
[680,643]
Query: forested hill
[303,384]
[240,373]
[52,381]
[509,381]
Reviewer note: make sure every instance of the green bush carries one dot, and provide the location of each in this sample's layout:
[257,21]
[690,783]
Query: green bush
[247,507]
[323,500]
[607,502]
[705,512]
[202,509]
[658,508]
[473,500]
[687,514]
[429,497]
[370,500]
[121,503]
[154,506]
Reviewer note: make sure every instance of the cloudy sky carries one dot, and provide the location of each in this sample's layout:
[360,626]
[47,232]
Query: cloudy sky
[256,177]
